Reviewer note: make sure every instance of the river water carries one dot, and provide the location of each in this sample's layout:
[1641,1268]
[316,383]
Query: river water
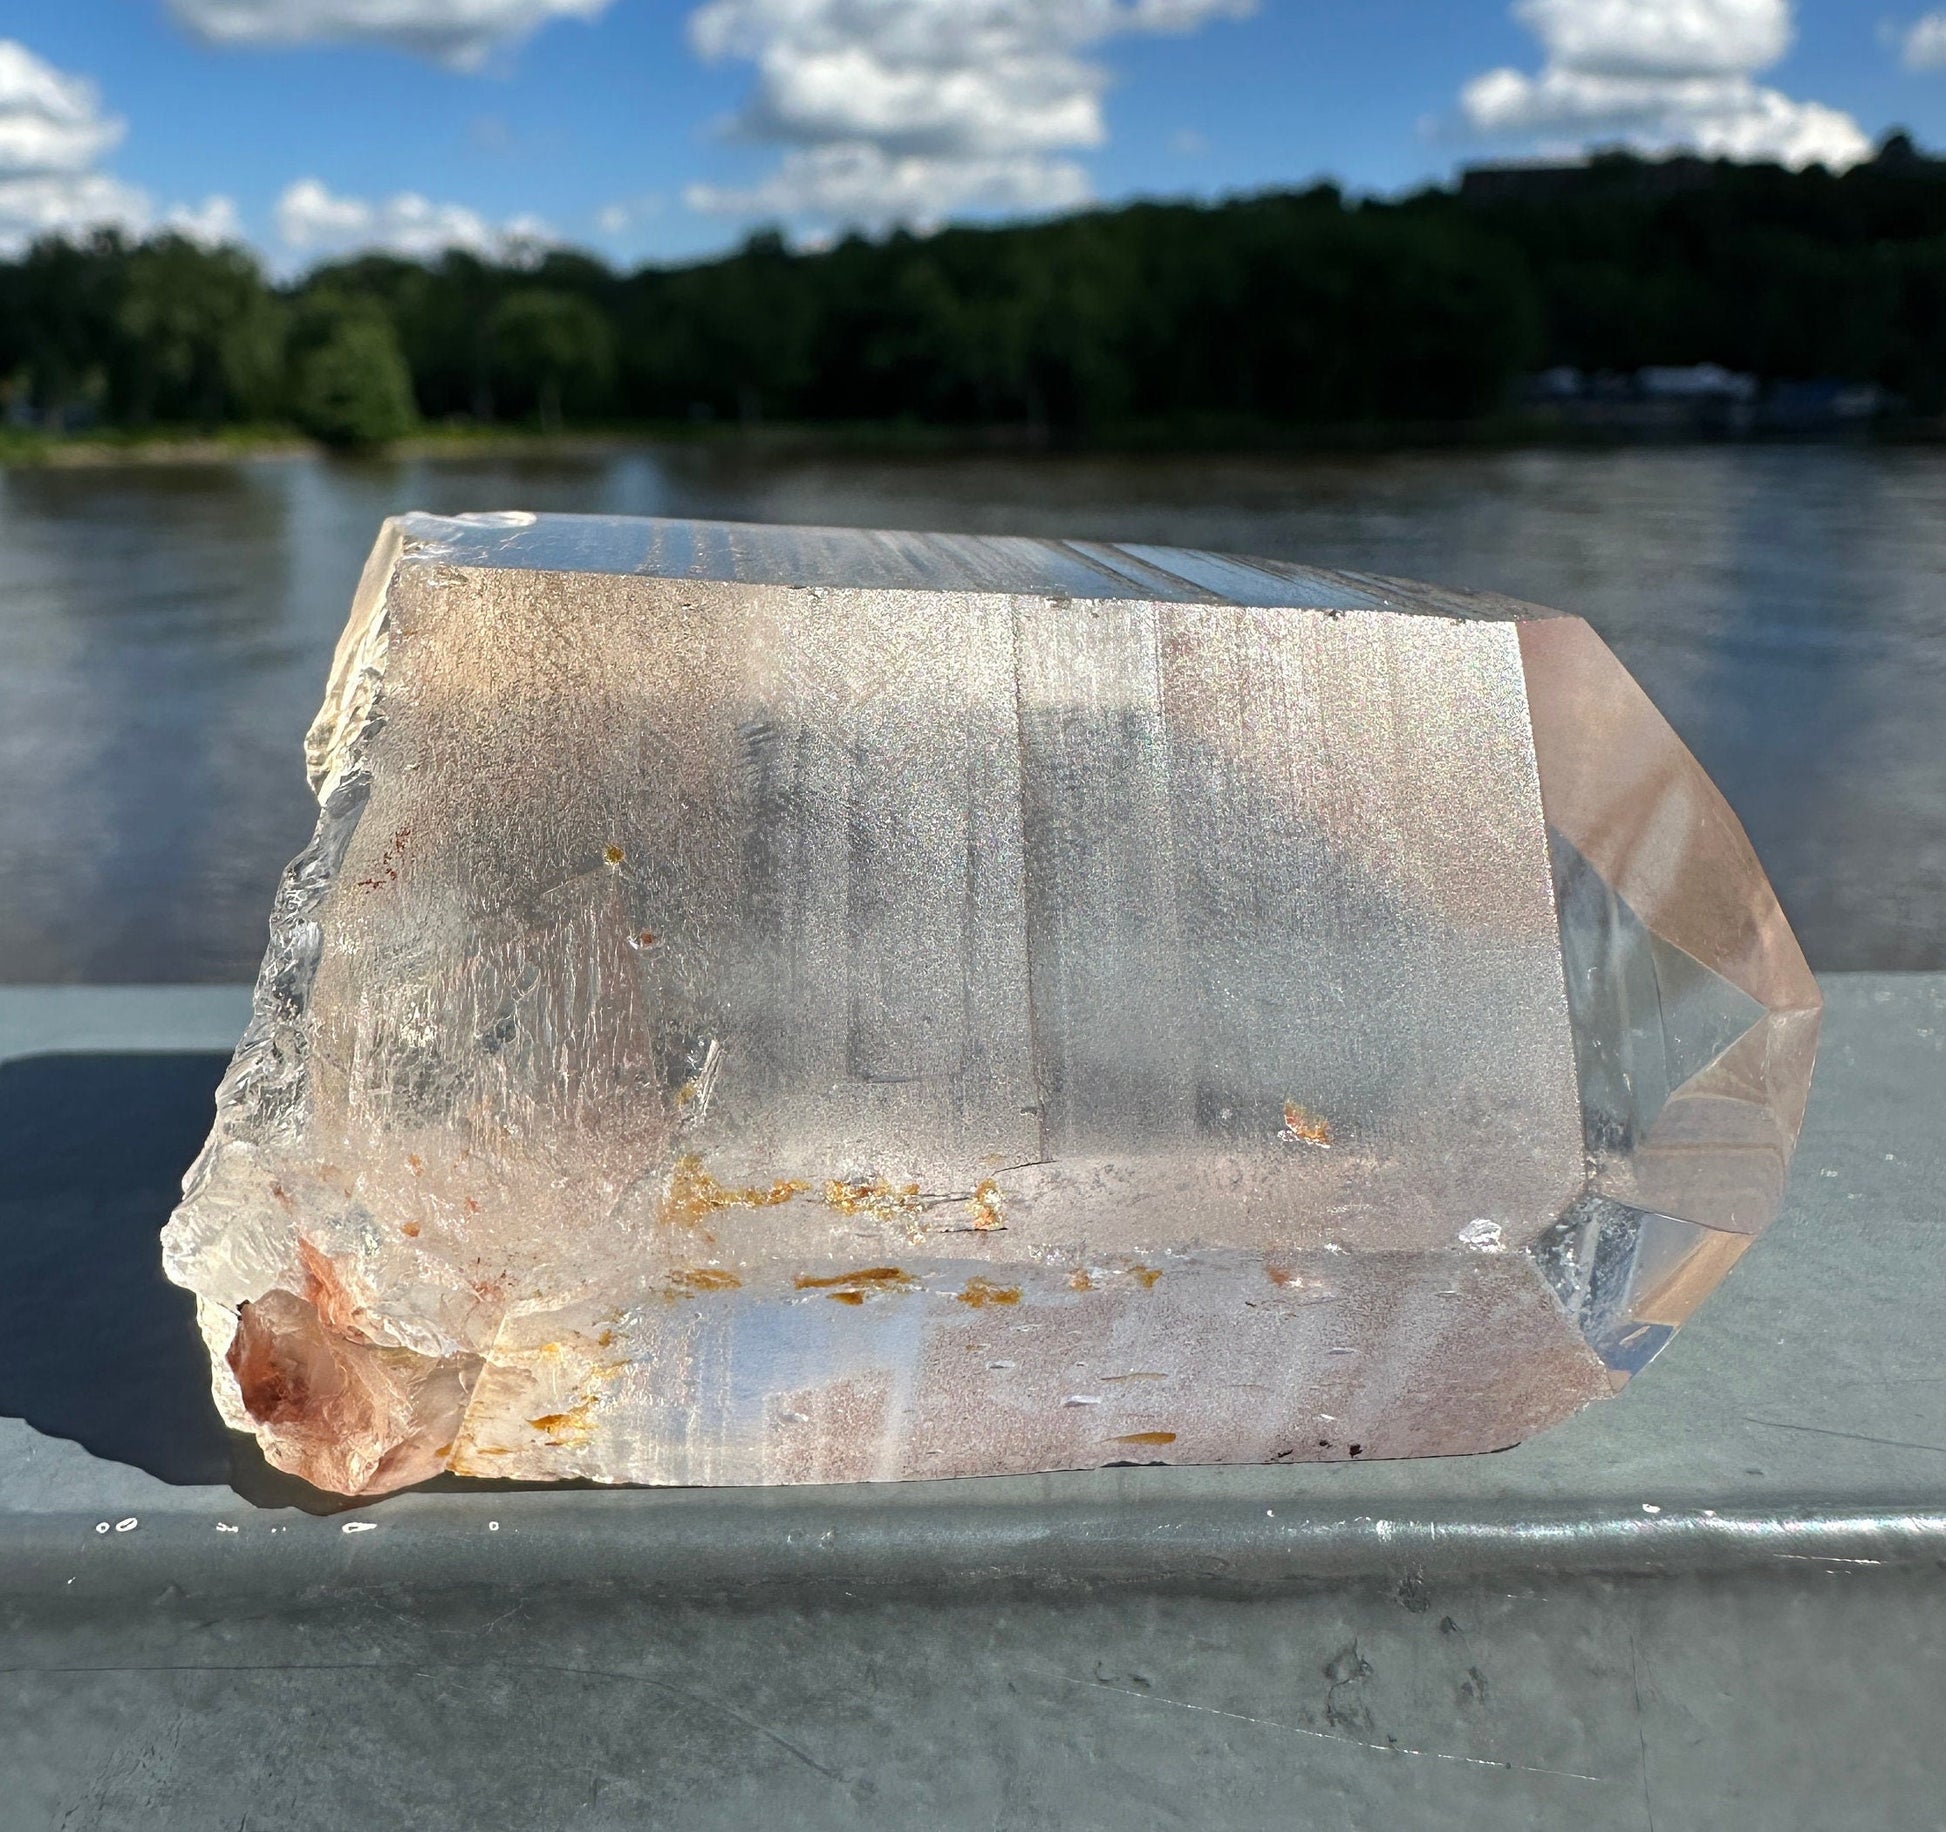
[164,633]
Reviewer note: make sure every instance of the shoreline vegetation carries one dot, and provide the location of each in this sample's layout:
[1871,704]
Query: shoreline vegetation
[99,448]
[1618,301]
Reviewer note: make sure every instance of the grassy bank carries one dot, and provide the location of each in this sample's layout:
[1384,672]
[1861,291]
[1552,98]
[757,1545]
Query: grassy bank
[26,449]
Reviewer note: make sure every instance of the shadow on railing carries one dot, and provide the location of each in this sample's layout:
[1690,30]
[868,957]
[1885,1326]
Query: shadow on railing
[95,1344]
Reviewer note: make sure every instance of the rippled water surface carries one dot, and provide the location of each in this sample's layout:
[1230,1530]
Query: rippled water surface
[166,632]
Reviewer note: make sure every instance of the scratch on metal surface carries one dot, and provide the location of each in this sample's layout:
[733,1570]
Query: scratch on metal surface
[708,1703]
[1324,1736]
[1856,1437]
[1641,1735]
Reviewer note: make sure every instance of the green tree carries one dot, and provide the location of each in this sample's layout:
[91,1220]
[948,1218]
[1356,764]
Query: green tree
[351,387]
[551,350]
[1286,309]
[58,312]
[201,336]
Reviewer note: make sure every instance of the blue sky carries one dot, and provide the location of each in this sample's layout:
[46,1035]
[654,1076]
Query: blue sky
[663,129]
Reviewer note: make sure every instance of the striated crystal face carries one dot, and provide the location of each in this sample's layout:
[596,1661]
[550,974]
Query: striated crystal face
[794,1005]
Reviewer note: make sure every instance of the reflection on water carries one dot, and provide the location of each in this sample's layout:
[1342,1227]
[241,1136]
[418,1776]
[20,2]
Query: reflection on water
[166,632]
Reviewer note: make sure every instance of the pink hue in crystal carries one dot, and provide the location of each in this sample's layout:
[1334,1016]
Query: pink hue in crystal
[784,1005]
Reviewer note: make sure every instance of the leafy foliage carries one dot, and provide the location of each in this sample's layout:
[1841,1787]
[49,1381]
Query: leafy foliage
[350,386]
[549,349]
[1294,308]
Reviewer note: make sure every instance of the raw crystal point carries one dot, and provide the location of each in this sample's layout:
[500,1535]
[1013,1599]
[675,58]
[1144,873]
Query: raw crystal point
[800,1005]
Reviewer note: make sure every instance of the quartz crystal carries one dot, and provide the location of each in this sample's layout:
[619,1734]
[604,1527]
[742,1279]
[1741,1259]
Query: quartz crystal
[801,1005]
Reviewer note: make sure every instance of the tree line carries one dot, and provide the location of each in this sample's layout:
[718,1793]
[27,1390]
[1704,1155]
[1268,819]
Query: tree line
[1289,309]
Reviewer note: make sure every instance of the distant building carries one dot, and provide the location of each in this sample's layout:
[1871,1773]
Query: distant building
[1620,173]
[1823,406]
[1700,400]
[1695,382]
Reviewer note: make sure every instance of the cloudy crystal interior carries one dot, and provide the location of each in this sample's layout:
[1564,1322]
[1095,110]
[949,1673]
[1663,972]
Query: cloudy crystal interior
[791,1005]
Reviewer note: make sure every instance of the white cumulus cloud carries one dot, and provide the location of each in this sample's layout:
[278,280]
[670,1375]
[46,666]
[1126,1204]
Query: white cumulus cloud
[67,204]
[212,222]
[1661,75]
[907,110]
[49,121]
[53,135]
[1922,45]
[1660,37]
[315,222]
[858,183]
[461,33]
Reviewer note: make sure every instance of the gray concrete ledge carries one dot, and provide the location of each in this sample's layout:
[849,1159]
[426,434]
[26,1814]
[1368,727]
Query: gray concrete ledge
[1799,1419]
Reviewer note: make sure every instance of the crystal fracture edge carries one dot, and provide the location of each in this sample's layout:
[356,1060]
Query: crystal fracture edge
[796,1005]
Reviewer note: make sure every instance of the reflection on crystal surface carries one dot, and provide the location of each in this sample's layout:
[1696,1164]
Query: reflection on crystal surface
[1630,1278]
[1618,784]
[1694,1015]
[1651,1023]
[771,1005]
